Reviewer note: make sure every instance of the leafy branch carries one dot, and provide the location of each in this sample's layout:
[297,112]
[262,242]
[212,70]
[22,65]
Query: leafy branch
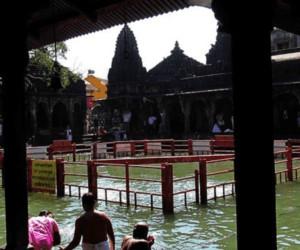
[44,57]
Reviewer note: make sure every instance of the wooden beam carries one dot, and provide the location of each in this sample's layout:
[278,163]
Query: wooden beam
[83,8]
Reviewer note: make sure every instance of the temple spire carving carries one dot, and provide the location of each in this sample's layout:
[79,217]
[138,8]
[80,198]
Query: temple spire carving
[177,49]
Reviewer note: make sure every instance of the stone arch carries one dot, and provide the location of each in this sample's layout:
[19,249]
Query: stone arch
[60,117]
[175,119]
[41,116]
[99,112]
[224,106]
[96,111]
[198,117]
[285,112]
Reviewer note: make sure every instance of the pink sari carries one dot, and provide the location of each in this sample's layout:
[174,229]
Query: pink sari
[41,232]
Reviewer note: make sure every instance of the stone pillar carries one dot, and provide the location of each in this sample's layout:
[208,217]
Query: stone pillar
[50,122]
[187,121]
[186,110]
[163,113]
[212,111]
[260,213]
[50,112]
[71,113]
[163,125]
[13,62]
[33,115]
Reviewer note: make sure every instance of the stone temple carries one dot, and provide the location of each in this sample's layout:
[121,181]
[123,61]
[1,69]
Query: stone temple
[186,96]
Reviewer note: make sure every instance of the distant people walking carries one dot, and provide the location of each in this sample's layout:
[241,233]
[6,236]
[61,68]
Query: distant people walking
[93,226]
[68,133]
[140,239]
[43,231]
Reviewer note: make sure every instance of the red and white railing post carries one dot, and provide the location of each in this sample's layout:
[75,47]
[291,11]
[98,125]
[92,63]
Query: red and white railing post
[167,188]
[212,147]
[95,150]
[203,182]
[127,184]
[29,173]
[92,178]
[190,145]
[60,177]
[289,163]
[132,148]
[172,147]
[145,147]
[197,185]
[50,152]
[115,149]
[74,152]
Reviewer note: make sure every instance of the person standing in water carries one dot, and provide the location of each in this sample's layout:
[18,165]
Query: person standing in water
[93,226]
[140,239]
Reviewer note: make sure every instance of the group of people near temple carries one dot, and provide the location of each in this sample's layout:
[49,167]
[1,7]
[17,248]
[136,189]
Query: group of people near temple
[221,126]
[94,228]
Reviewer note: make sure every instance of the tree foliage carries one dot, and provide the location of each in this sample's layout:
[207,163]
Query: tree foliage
[45,57]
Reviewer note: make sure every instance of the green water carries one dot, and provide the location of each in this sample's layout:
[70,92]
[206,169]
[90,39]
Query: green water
[195,227]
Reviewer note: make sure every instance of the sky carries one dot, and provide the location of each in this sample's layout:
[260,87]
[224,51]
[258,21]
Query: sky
[195,29]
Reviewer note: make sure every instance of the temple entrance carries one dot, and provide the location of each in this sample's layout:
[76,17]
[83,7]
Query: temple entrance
[60,116]
[176,120]
[286,111]
[198,118]
[96,111]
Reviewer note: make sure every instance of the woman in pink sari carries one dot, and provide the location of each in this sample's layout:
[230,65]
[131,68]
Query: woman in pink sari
[43,231]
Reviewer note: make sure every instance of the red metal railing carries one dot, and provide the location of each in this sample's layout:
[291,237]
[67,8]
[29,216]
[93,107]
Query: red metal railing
[184,192]
[167,181]
[127,189]
[106,150]
[203,180]
[70,185]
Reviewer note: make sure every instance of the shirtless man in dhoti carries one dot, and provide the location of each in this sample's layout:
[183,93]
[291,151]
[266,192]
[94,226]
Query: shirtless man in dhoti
[93,226]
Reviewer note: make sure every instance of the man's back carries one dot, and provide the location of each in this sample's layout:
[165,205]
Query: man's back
[94,227]
[129,243]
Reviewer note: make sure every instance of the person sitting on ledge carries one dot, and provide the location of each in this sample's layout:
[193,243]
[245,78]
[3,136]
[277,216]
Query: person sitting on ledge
[43,231]
[93,226]
[140,239]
